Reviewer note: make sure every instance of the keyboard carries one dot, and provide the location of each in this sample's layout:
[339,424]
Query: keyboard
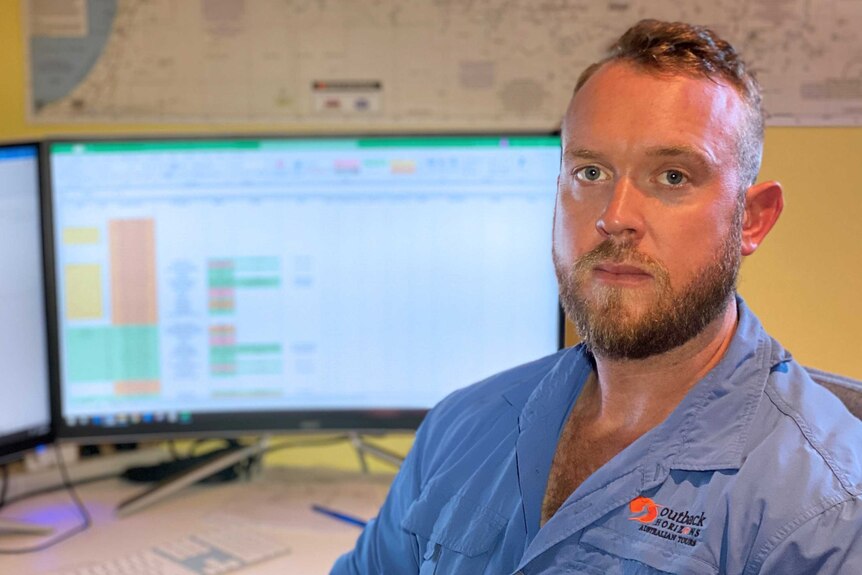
[209,552]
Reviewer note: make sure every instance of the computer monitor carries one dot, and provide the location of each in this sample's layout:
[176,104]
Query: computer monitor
[25,413]
[242,285]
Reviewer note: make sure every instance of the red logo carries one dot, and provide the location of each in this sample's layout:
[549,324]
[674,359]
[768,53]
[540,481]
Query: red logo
[647,507]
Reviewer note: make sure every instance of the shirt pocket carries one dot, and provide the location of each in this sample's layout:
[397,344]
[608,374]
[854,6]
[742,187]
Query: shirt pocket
[617,554]
[456,533]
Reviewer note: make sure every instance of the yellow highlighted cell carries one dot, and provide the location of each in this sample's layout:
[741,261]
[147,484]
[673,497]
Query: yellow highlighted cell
[80,236]
[83,291]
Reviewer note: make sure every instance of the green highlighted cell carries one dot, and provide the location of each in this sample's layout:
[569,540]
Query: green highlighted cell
[245,359]
[229,353]
[222,280]
[112,353]
[248,272]
[258,282]
[255,264]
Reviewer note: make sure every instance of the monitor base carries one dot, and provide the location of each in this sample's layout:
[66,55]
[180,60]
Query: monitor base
[207,467]
[18,527]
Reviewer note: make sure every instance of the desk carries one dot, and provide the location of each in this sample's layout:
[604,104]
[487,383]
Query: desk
[280,497]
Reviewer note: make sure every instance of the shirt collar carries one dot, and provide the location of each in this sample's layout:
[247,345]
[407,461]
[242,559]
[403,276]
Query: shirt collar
[709,428]
[543,409]
[559,384]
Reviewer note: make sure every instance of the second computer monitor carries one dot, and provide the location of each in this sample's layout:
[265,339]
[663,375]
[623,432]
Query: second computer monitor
[25,415]
[228,285]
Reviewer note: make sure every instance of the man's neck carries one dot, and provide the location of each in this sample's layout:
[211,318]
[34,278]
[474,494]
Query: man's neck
[636,395]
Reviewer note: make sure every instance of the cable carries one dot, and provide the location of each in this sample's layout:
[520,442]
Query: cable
[5,489]
[59,486]
[86,520]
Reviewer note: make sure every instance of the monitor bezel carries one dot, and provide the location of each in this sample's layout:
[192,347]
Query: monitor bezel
[17,444]
[222,424]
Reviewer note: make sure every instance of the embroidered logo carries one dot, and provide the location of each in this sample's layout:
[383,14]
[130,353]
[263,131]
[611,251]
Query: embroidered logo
[646,506]
[668,523]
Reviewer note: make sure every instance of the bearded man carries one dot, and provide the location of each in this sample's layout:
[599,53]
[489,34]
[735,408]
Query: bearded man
[678,437]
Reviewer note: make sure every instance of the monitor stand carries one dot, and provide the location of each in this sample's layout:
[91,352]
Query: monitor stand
[364,448]
[229,457]
[17,527]
[190,476]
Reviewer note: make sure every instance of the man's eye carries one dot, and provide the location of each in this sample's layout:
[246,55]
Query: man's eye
[591,174]
[672,178]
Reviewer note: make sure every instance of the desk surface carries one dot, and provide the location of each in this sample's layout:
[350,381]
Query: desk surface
[281,497]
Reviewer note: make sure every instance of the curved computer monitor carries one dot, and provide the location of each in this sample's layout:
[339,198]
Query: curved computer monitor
[25,414]
[242,285]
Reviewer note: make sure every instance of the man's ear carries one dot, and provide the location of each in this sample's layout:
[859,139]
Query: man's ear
[763,205]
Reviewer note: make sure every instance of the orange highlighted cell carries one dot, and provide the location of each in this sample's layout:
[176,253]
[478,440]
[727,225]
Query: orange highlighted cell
[140,387]
[133,272]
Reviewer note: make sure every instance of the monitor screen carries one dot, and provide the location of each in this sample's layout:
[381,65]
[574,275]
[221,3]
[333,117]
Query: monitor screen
[25,414]
[228,285]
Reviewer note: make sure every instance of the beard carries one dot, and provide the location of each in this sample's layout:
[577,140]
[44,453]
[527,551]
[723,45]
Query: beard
[606,316]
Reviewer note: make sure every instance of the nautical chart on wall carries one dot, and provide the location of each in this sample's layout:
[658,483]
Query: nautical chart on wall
[442,64]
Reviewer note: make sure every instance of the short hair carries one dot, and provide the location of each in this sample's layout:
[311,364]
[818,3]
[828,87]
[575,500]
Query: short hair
[686,49]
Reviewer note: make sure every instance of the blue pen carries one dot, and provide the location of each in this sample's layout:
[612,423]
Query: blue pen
[338,515]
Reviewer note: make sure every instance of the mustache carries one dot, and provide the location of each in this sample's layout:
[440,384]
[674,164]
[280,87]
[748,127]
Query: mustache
[613,252]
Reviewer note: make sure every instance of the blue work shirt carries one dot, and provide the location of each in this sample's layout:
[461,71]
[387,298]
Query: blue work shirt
[756,471]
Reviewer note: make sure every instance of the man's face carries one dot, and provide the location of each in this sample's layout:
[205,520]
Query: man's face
[647,221]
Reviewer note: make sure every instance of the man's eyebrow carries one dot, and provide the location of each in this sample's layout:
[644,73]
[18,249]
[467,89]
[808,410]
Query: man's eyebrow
[583,154]
[690,152]
[702,157]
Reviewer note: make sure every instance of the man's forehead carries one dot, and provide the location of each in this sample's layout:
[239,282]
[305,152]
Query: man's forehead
[615,74]
[621,99]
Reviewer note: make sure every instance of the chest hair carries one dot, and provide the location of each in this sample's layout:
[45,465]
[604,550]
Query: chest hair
[580,453]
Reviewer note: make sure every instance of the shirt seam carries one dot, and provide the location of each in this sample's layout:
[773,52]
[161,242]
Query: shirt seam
[766,363]
[794,525]
[785,408]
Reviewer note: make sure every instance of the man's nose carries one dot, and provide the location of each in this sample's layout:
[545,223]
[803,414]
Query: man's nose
[622,217]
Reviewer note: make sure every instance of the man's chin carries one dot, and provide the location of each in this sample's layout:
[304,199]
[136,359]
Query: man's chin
[624,304]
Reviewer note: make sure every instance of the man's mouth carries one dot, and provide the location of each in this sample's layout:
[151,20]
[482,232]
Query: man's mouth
[621,273]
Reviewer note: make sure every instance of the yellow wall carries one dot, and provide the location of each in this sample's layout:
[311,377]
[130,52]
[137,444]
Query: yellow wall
[804,283]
